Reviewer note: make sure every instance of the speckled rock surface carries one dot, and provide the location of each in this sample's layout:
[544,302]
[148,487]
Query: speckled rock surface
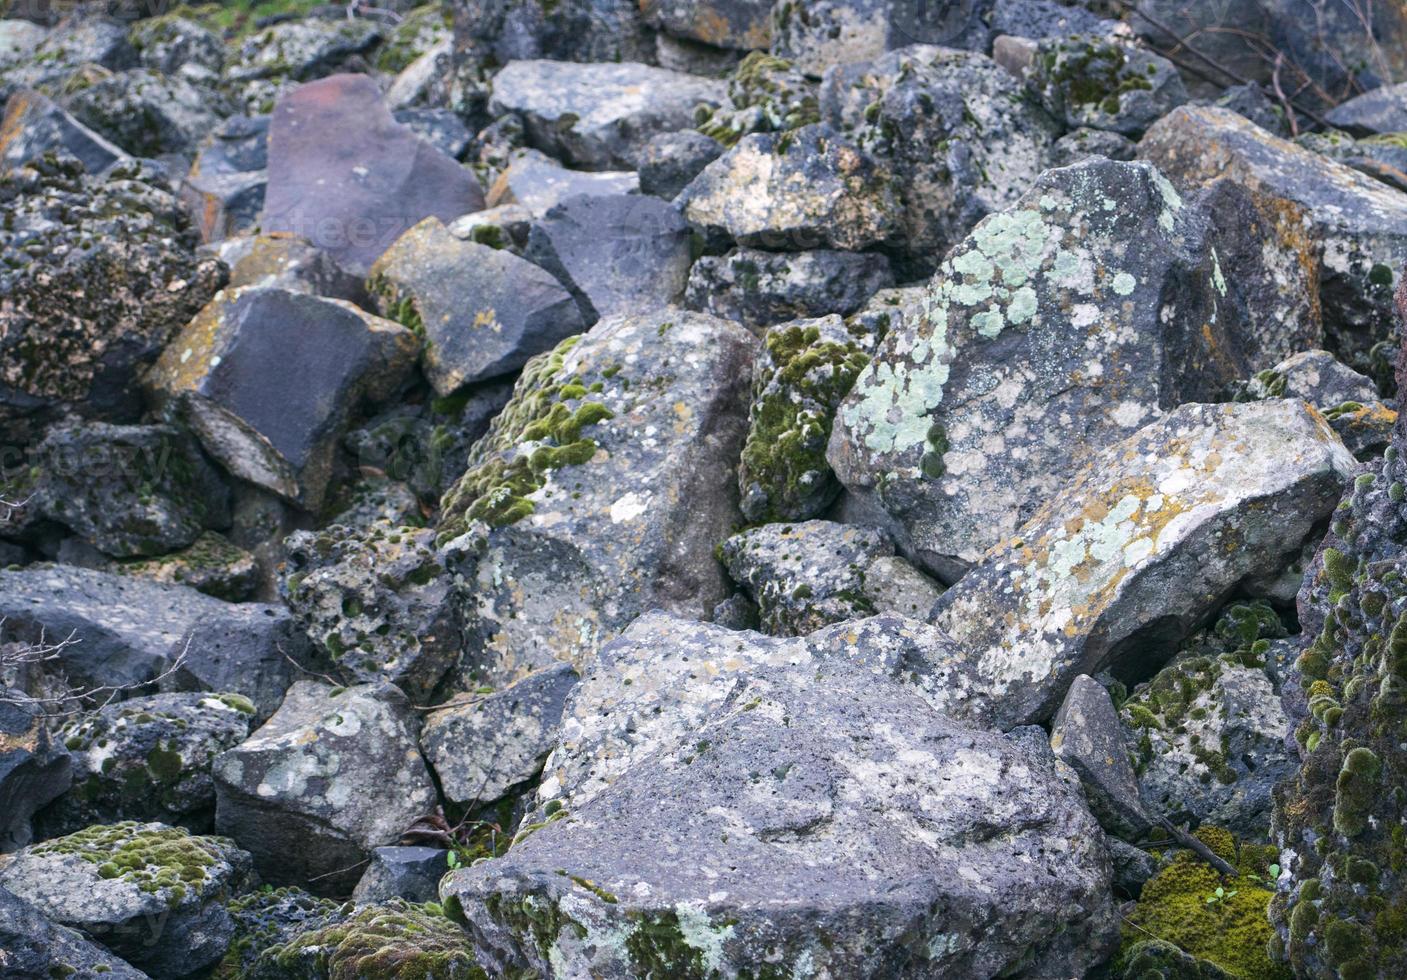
[147,758]
[1135,550]
[34,769]
[1081,144]
[1086,734]
[856,845]
[539,183]
[766,94]
[490,745]
[33,125]
[67,48]
[588,505]
[146,113]
[598,116]
[1065,322]
[34,947]
[151,893]
[743,24]
[168,43]
[498,31]
[267,64]
[268,380]
[334,773]
[670,160]
[1384,158]
[760,288]
[224,189]
[483,311]
[377,601]
[1104,83]
[1316,376]
[411,873]
[821,34]
[1379,110]
[265,920]
[1359,222]
[98,296]
[954,128]
[212,564]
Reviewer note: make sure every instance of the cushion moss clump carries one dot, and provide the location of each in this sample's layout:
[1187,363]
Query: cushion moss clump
[156,858]
[267,918]
[1090,71]
[766,94]
[540,430]
[1230,931]
[397,939]
[800,381]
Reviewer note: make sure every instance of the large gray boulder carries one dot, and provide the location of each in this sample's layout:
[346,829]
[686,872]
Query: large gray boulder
[34,125]
[145,112]
[803,823]
[599,116]
[601,489]
[1138,548]
[269,379]
[332,775]
[1057,326]
[1104,83]
[483,311]
[153,894]
[35,948]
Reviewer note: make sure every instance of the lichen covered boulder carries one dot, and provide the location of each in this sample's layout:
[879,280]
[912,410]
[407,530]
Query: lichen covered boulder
[601,489]
[1130,556]
[854,845]
[36,947]
[116,882]
[268,918]
[145,112]
[760,288]
[1104,83]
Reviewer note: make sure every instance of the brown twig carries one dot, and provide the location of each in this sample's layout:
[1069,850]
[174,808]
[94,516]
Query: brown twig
[57,705]
[1280,94]
[1197,847]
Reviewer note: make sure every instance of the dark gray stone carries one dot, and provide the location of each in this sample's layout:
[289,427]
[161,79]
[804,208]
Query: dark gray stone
[1379,110]
[147,113]
[759,288]
[33,948]
[539,183]
[1081,144]
[411,873]
[224,190]
[34,125]
[441,128]
[1087,735]
[34,767]
[740,24]
[500,31]
[670,160]
[280,260]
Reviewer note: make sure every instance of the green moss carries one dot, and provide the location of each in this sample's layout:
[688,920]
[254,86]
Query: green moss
[157,859]
[396,939]
[1355,791]
[1090,71]
[165,764]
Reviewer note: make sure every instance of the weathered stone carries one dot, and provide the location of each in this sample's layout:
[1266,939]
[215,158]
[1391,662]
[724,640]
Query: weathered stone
[377,601]
[809,188]
[106,279]
[506,226]
[132,630]
[1378,110]
[76,42]
[956,130]
[1359,223]
[492,745]
[1061,324]
[744,24]
[820,34]
[892,584]
[224,191]
[1081,144]
[34,125]
[266,920]
[1251,101]
[153,894]
[18,38]
[1315,376]
[280,260]
[145,112]
[129,490]
[349,178]
[599,116]
[36,948]
[423,81]
[760,288]
[418,31]
[212,564]
[147,758]
[1104,83]
[411,873]
[334,773]
[268,380]
[617,255]
[1041,19]
[670,160]
[839,847]
[540,183]
[440,128]
[1384,158]
[266,66]
[766,94]
[602,488]
[482,311]
[1128,557]
[170,42]
[1086,734]
[34,768]
[500,31]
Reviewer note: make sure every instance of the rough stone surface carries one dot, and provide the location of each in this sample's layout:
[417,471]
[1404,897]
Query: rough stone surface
[1379,110]
[332,775]
[280,260]
[145,112]
[499,31]
[34,769]
[268,380]
[539,183]
[670,160]
[349,178]
[743,24]
[484,749]
[841,848]
[1127,558]
[1087,735]
[482,311]
[824,33]
[268,64]
[599,116]
[592,504]
[1081,144]
[1104,83]
[33,126]
[34,947]
[411,873]
[224,190]
[266,920]
[212,564]
[760,288]
[170,42]
[116,882]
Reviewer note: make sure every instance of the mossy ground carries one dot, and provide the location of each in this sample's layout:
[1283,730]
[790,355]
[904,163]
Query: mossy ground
[397,940]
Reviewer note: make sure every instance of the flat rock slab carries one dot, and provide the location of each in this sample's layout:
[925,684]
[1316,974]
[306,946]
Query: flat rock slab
[34,125]
[349,178]
[539,183]
[36,947]
[1131,555]
[1380,110]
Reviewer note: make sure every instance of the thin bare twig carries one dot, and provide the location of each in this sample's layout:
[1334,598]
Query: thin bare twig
[1280,94]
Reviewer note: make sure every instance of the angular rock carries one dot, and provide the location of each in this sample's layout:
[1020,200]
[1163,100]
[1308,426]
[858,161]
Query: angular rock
[411,873]
[505,227]
[349,178]
[789,883]
[742,24]
[1251,101]
[76,42]
[267,919]
[107,278]
[490,746]
[1104,83]
[35,947]
[145,112]
[266,65]
[18,38]
[805,576]
[758,288]
[147,758]
[377,601]
[129,490]
[153,894]
[821,34]
[1086,735]
[168,43]
[893,585]
[1081,144]
[212,565]
[589,505]
[1040,19]
[1024,361]
[34,768]
[539,183]
[500,31]
[268,379]
[957,131]
[599,116]
[332,775]
[1384,158]
[282,261]
[421,81]
[441,128]
[132,630]
[809,188]
[1315,376]
[1127,558]
[766,94]
[1379,110]
[482,311]
[34,125]
[618,255]
[1359,223]
[224,190]
[670,160]
[419,30]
